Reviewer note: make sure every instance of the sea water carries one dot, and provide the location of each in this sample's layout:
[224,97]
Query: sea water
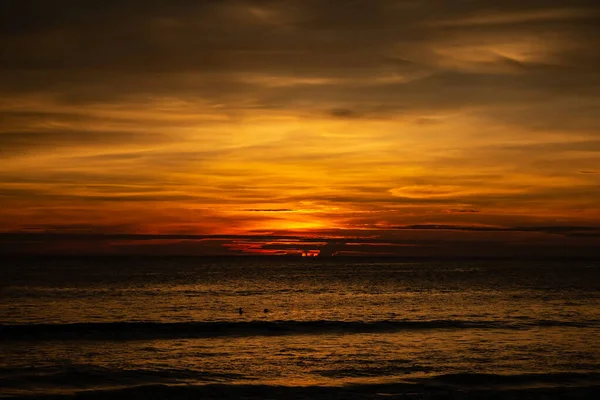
[351,328]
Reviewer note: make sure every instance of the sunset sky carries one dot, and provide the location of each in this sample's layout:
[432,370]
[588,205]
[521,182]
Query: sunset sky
[390,127]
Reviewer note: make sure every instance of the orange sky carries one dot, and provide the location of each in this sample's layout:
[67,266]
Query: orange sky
[362,127]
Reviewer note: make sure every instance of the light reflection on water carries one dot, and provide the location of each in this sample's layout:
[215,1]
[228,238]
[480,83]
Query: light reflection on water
[190,290]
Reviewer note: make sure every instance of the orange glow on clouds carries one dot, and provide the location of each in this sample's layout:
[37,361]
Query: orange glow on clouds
[255,123]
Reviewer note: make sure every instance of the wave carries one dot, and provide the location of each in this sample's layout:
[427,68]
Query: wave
[514,380]
[85,376]
[167,330]
[473,386]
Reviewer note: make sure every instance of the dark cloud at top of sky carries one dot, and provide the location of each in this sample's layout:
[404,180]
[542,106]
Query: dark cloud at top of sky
[307,37]
[347,58]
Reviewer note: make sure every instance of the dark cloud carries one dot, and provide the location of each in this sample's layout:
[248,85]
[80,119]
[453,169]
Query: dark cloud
[268,209]
[559,230]
[331,238]
[112,49]
[18,142]
[591,146]
[89,194]
[119,196]
[344,113]
[92,240]
[462,211]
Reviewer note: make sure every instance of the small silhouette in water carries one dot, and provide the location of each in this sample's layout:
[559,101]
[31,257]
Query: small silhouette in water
[240,310]
[266,310]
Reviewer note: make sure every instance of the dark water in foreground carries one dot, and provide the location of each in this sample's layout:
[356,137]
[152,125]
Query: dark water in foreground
[169,328]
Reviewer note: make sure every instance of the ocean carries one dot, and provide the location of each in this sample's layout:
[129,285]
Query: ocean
[309,329]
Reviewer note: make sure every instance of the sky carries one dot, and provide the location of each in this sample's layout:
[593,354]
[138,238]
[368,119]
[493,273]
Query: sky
[368,127]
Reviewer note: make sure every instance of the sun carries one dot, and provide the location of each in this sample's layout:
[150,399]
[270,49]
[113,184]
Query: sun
[311,253]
